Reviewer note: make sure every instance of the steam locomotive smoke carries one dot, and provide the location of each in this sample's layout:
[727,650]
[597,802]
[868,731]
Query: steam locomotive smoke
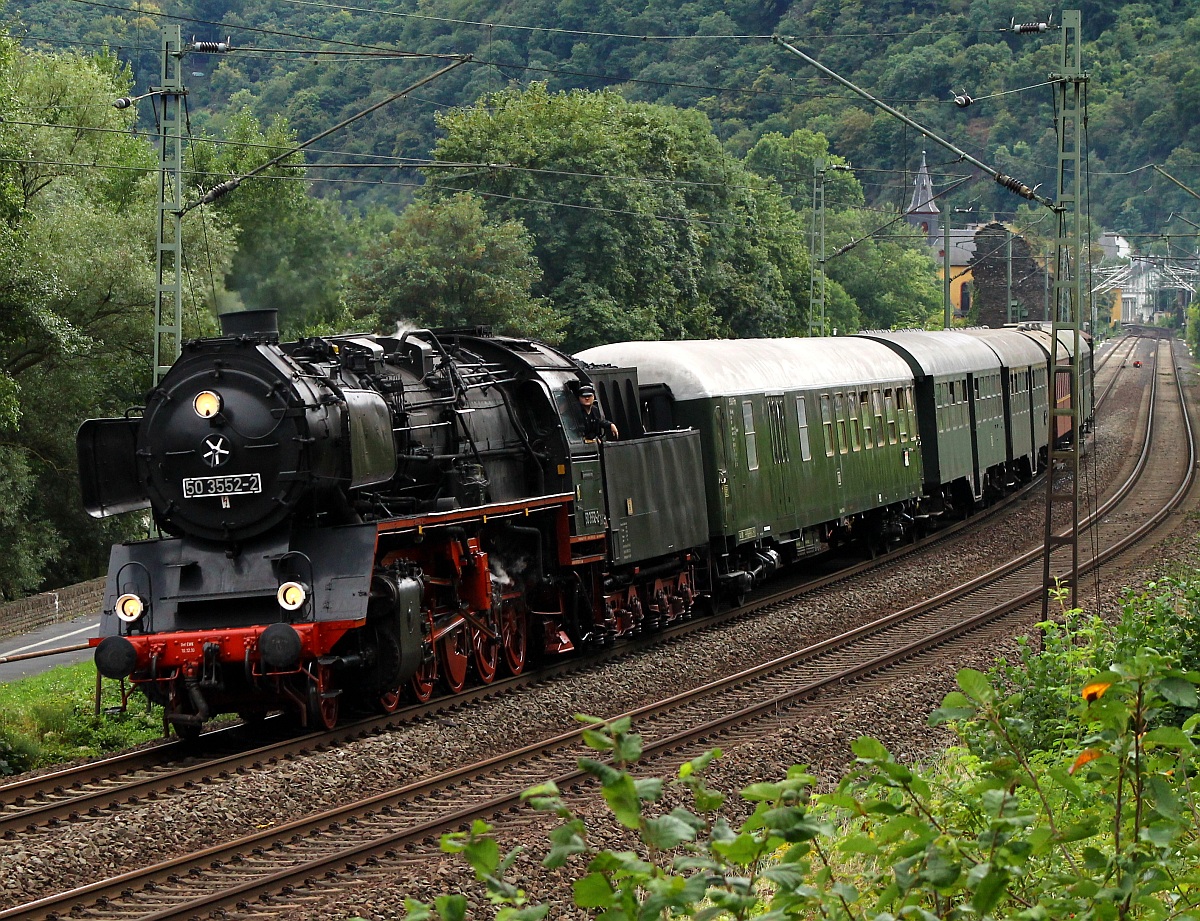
[406,326]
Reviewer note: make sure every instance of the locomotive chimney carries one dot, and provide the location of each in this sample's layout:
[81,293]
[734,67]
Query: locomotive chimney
[257,324]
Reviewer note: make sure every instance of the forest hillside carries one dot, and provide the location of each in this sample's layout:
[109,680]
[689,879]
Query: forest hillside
[316,62]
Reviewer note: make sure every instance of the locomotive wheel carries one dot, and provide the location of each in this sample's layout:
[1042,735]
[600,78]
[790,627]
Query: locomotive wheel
[388,646]
[389,701]
[187,732]
[424,680]
[514,637]
[485,652]
[455,652]
[322,700]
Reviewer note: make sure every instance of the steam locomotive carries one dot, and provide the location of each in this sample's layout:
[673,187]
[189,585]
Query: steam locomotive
[367,518]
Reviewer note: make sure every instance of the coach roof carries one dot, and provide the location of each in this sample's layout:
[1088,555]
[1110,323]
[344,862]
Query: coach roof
[696,369]
[1015,350]
[938,353]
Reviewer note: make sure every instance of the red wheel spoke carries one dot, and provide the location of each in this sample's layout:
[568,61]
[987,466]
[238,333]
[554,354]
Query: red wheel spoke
[514,637]
[455,652]
[424,680]
[485,653]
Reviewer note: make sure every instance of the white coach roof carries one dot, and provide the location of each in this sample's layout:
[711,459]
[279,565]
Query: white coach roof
[939,352]
[695,369]
[1014,348]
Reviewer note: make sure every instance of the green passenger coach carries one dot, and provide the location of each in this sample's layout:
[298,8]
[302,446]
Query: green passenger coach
[805,441]
[961,405]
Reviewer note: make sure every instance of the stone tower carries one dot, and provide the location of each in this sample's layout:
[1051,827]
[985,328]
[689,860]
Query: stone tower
[922,211]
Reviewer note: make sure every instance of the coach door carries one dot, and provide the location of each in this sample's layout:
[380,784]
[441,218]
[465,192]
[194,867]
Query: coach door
[834,440]
[726,440]
[781,457]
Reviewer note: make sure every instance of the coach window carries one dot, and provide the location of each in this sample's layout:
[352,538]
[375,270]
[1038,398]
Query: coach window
[839,414]
[864,411]
[889,405]
[779,444]
[802,429]
[908,417]
[877,407]
[852,418]
[827,424]
[751,439]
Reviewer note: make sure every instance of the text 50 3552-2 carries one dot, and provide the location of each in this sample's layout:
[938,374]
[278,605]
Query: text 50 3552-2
[232,485]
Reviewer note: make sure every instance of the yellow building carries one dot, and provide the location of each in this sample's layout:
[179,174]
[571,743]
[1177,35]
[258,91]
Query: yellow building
[962,251]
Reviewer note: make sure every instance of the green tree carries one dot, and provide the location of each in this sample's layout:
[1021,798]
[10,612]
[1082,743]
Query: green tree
[892,282]
[77,289]
[292,248]
[446,264]
[643,226]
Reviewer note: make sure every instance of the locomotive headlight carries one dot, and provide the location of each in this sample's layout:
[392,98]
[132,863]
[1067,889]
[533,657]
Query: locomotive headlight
[207,404]
[291,595]
[130,607]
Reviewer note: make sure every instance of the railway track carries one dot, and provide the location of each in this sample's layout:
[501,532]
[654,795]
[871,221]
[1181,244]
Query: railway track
[234,876]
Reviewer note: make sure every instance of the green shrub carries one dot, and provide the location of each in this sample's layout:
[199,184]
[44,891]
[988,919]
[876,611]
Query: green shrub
[1078,798]
[18,752]
[50,718]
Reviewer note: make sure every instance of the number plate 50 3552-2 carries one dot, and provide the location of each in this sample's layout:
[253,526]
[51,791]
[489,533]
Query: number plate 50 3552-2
[241,484]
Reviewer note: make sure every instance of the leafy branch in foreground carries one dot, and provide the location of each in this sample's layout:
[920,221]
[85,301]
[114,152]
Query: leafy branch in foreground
[1101,830]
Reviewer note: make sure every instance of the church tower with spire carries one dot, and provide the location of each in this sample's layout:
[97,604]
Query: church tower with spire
[923,211]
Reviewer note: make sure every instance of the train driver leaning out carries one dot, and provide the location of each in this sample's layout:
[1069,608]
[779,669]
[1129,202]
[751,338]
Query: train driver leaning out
[595,426]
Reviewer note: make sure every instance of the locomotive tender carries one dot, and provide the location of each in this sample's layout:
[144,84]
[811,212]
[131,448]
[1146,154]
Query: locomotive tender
[372,517]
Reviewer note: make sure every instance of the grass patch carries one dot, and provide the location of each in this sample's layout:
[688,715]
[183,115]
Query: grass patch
[50,718]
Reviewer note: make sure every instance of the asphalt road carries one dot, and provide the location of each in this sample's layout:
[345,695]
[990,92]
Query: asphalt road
[51,637]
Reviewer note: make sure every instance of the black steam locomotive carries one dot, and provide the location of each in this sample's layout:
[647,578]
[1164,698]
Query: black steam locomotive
[368,516]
